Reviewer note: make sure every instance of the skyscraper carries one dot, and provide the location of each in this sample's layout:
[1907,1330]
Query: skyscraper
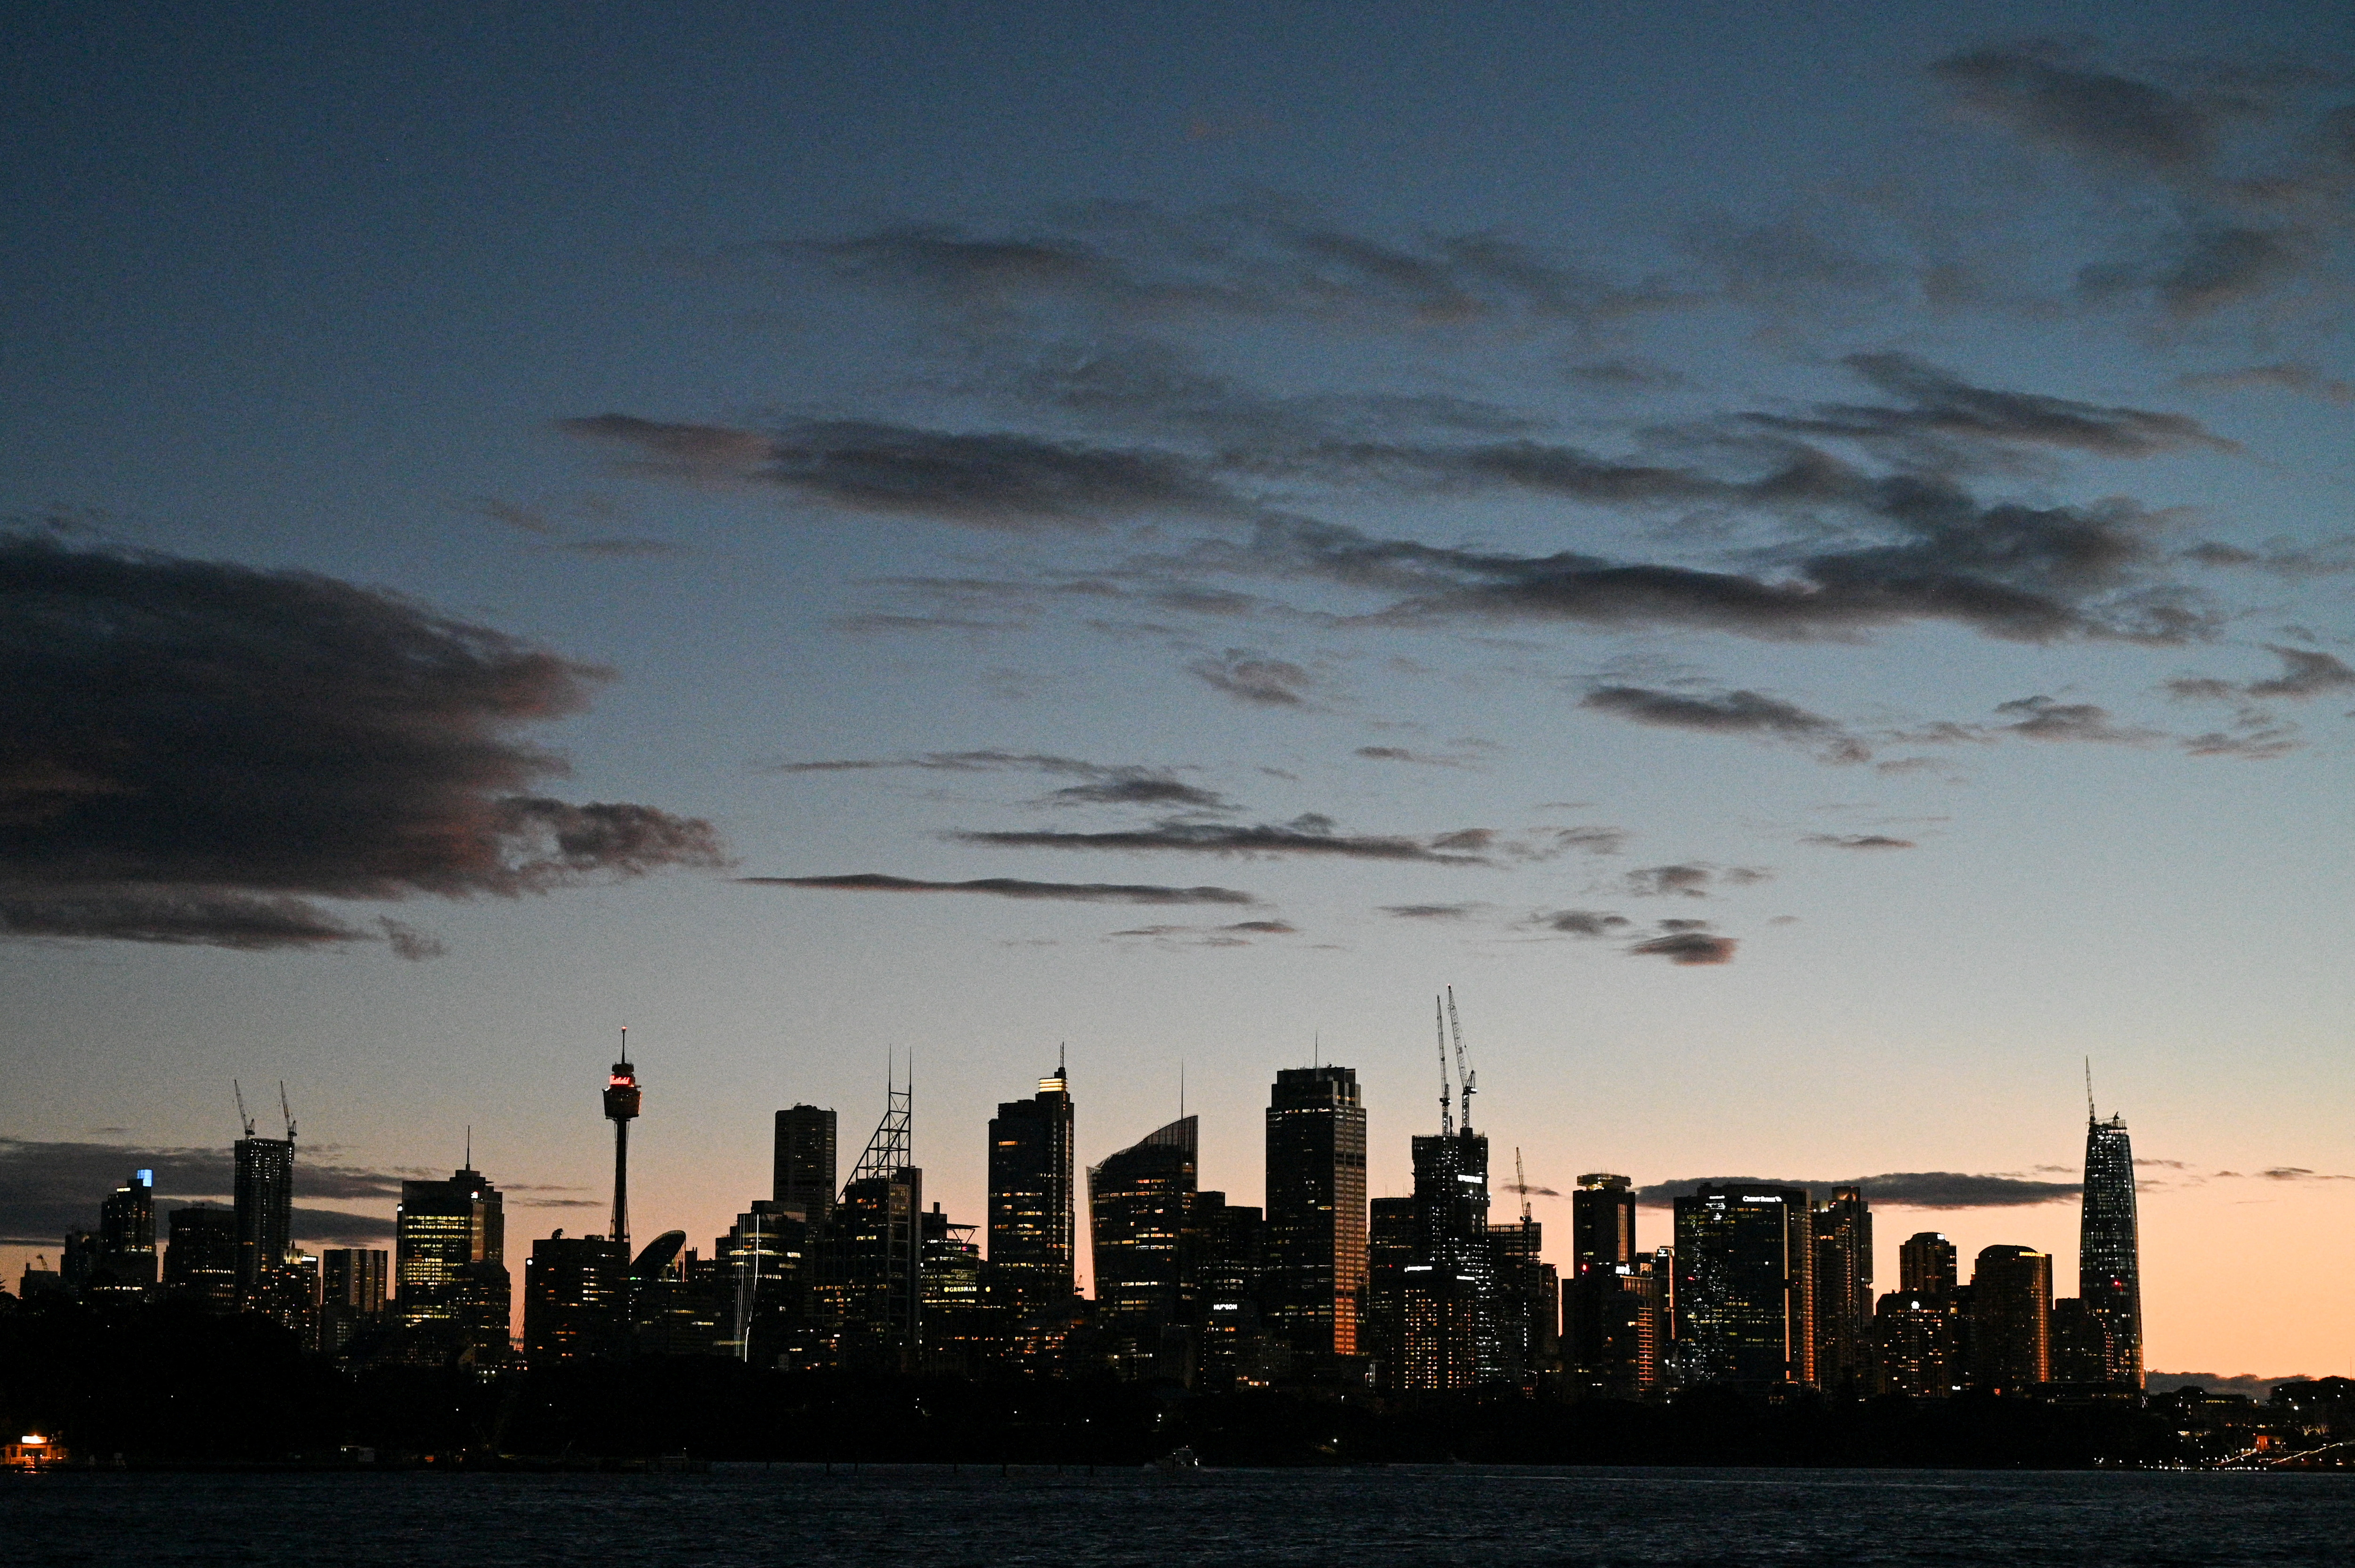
[575,1299]
[1389,1248]
[264,1198]
[449,1267]
[1926,1264]
[2011,1318]
[1140,1205]
[1032,1226]
[1227,1246]
[2109,1265]
[1601,1221]
[351,1294]
[126,1236]
[1316,1208]
[1744,1285]
[1602,1243]
[871,1280]
[1843,1291]
[1914,1344]
[200,1256]
[622,1100]
[1448,1335]
[803,1172]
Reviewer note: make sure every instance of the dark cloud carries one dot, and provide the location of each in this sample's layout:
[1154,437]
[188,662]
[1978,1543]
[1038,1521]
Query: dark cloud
[2043,94]
[2305,672]
[1729,713]
[1858,842]
[1008,888]
[1689,880]
[2285,375]
[2047,718]
[1530,1190]
[192,751]
[1687,947]
[1311,835]
[1430,911]
[987,480]
[1228,936]
[1257,678]
[1418,758]
[1942,407]
[49,1187]
[1106,784]
[1584,922]
[2204,268]
[1906,1190]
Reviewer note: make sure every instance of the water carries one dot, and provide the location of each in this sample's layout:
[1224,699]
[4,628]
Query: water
[1405,1515]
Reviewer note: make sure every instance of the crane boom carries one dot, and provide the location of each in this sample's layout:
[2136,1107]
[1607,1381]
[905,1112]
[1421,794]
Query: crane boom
[285,1111]
[1446,1116]
[1522,1183]
[1471,1080]
[246,1120]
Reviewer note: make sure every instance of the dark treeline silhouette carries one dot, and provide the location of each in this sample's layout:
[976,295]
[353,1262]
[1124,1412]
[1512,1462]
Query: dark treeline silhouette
[171,1385]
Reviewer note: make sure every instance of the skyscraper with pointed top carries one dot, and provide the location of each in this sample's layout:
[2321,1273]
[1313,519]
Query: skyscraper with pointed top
[2109,1262]
[621,1095]
[1031,1224]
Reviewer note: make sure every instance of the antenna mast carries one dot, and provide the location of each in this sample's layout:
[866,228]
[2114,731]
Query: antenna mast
[241,1117]
[1471,1079]
[1446,1114]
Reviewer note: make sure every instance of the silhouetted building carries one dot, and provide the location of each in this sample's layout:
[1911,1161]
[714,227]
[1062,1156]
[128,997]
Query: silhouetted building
[2084,1349]
[1623,1311]
[264,1196]
[803,1172]
[1389,1248]
[2109,1258]
[1745,1292]
[1527,1302]
[2011,1319]
[1315,1209]
[200,1256]
[960,1322]
[767,1268]
[1449,1335]
[449,1268]
[686,1309]
[126,1262]
[1925,1265]
[1032,1226]
[1843,1292]
[1140,1208]
[1594,1319]
[1601,1221]
[352,1289]
[869,1297]
[78,1261]
[1914,1344]
[575,1299]
[1228,1252]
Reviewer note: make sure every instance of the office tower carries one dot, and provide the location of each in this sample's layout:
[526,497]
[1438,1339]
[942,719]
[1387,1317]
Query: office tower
[1228,1244]
[2109,1265]
[622,1100]
[1925,1265]
[351,1294]
[686,1308]
[2084,1348]
[1032,1228]
[264,1196]
[872,1296]
[126,1238]
[1389,1248]
[1744,1290]
[450,1271]
[1315,1209]
[960,1321]
[764,1269]
[200,1256]
[1528,1301]
[1140,1204]
[78,1262]
[1630,1305]
[1601,1221]
[1914,1344]
[1843,1292]
[801,1177]
[2011,1319]
[1449,1335]
[576,1293]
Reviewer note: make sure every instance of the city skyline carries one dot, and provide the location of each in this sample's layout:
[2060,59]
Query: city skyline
[1799,562]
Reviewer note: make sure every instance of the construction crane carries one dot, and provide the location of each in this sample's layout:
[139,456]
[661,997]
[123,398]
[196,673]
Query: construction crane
[1446,1114]
[1471,1079]
[241,1117]
[287,1112]
[1522,1183]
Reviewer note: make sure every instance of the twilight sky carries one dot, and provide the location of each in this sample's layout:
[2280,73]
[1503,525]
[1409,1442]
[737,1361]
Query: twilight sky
[1801,563]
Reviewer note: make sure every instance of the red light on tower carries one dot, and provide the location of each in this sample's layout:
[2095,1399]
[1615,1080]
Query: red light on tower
[620,1108]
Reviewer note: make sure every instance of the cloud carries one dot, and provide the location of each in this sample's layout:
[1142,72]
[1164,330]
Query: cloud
[1582,922]
[1121,784]
[192,751]
[1687,947]
[1228,936]
[1858,842]
[2042,95]
[2046,719]
[1729,713]
[1310,834]
[1430,911]
[998,480]
[1008,887]
[1689,880]
[1257,678]
[1418,758]
[2203,268]
[2305,672]
[49,1187]
[1905,1190]
[2285,375]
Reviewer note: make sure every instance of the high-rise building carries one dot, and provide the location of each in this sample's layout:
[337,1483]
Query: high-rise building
[960,1321]
[803,1172]
[2011,1318]
[200,1256]
[575,1299]
[1630,1307]
[1227,1243]
[1594,1317]
[1843,1292]
[2084,1348]
[2109,1261]
[1914,1344]
[1925,1265]
[449,1268]
[352,1282]
[870,1295]
[126,1239]
[264,1196]
[1140,1207]
[1032,1225]
[1528,1301]
[1601,1221]
[1389,1248]
[1449,1335]
[622,1098]
[1315,1209]
[1745,1285]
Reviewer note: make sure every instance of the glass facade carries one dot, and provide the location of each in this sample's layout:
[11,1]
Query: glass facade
[2109,1266]
[1317,1208]
[1745,1285]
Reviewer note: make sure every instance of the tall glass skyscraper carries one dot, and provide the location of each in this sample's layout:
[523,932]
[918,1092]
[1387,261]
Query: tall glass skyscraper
[2109,1269]
[1448,1333]
[264,1199]
[802,1174]
[1032,1226]
[1317,1208]
[449,1267]
[1745,1285]
[1140,1206]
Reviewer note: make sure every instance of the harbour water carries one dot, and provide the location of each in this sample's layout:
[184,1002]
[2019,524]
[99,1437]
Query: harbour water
[942,1518]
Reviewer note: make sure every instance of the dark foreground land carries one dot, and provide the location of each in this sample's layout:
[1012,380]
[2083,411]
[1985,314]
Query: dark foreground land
[165,1386]
[1394,1515]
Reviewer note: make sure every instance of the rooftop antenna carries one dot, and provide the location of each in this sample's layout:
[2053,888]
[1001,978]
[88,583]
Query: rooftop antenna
[285,1111]
[1446,1114]
[1471,1079]
[470,1146]
[240,1106]
[1316,1048]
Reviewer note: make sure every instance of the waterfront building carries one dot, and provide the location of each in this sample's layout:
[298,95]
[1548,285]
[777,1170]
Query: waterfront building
[2109,1261]
[200,1256]
[450,1278]
[1032,1228]
[264,1200]
[1925,1265]
[1140,1207]
[575,1299]
[1744,1286]
[802,1175]
[1914,1345]
[1315,1218]
[1843,1304]
[2011,1319]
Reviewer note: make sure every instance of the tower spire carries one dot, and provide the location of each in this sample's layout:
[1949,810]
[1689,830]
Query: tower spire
[2091,1114]
[622,1098]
